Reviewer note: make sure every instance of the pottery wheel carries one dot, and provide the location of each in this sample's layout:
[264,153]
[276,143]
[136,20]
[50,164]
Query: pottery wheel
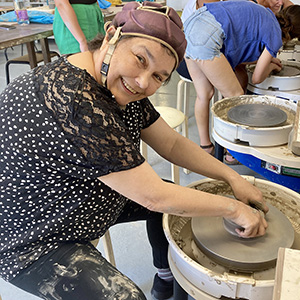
[257,115]
[287,71]
[240,254]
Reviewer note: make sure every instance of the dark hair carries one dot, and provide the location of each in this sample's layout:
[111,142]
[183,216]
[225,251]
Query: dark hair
[96,43]
[289,20]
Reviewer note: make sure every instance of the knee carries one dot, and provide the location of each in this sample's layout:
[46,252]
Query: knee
[204,98]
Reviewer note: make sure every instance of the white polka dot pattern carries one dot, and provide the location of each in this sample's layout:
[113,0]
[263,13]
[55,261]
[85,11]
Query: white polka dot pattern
[59,131]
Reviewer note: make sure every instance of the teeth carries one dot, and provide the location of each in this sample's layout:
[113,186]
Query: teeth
[129,87]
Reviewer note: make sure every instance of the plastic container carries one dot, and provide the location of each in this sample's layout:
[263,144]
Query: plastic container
[21,12]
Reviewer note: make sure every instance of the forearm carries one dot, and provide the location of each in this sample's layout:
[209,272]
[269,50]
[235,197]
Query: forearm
[185,153]
[264,66]
[259,77]
[143,186]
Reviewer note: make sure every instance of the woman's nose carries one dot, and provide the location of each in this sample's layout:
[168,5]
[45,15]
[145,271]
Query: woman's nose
[142,80]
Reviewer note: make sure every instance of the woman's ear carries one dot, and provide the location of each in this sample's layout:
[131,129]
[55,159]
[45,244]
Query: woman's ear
[108,36]
[110,33]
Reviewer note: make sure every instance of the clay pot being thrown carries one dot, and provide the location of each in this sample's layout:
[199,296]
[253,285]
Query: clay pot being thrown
[232,227]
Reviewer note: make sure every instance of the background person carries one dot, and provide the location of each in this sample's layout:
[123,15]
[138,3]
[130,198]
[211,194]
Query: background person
[75,23]
[223,35]
[71,165]
[275,5]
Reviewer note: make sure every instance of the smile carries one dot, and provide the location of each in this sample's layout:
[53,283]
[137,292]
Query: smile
[128,87]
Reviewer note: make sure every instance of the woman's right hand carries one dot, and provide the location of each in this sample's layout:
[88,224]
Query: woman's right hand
[251,219]
[276,64]
[83,46]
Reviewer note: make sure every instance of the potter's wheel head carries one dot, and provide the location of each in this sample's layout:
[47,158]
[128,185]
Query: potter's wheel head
[239,254]
[287,71]
[257,115]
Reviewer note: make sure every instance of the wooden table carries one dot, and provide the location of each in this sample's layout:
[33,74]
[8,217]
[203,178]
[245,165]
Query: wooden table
[27,34]
[5,9]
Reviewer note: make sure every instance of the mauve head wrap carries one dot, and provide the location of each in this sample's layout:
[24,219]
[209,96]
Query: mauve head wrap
[154,21]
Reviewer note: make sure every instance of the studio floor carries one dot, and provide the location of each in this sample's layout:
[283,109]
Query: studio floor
[131,248]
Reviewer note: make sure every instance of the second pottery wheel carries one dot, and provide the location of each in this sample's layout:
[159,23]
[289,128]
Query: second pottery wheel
[287,71]
[240,254]
[257,115]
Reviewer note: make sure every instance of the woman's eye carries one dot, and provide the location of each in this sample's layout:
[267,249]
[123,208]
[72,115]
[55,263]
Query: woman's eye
[141,59]
[158,78]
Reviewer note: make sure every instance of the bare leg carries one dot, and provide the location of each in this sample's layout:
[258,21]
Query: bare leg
[205,91]
[242,76]
[206,75]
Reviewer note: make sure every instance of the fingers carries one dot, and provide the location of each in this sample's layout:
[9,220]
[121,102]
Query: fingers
[259,205]
[256,230]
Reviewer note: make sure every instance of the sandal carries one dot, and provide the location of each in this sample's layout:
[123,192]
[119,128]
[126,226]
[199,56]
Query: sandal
[230,160]
[211,145]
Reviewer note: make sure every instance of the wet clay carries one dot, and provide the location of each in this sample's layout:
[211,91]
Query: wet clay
[287,71]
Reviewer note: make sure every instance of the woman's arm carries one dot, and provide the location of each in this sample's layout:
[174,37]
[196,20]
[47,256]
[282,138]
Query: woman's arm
[69,17]
[142,185]
[183,152]
[264,66]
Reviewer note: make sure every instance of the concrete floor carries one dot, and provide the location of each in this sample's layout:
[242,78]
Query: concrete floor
[131,248]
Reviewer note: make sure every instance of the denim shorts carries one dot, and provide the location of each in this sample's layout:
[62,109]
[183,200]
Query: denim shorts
[204,36]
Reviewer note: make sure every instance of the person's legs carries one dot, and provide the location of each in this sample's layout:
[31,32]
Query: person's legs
[75,272]
[205,91]
[163,280]
[206,75]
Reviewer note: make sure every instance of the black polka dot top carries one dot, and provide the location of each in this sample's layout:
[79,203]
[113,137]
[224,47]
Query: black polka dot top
[60,130]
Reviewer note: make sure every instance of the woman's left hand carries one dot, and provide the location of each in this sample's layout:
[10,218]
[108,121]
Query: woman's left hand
[249,194]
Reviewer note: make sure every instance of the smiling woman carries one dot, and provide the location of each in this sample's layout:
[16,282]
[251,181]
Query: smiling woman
[70,164]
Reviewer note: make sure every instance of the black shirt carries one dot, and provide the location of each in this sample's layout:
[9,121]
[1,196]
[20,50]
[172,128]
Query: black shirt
[60,130]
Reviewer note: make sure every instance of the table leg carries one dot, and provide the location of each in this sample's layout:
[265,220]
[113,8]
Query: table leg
[179,292]
[219,152]
[45,50]
[31,54]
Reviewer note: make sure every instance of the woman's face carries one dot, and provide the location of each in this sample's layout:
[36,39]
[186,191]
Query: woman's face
[138,67]
[275,5]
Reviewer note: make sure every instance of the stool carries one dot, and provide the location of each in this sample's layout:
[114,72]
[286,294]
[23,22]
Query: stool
[107,245]
[174,118]
[183,96]
[24,60]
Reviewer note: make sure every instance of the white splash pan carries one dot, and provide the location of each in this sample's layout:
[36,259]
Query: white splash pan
[209,278]
[254,136]
[274,82]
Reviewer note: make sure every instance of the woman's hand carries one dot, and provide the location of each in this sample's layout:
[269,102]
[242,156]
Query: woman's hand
[251,219]
[276,67]
[249,194]
[83,46]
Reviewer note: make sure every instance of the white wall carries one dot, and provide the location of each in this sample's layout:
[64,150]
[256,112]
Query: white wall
[178,4]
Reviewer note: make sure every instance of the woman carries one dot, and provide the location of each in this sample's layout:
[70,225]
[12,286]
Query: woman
[71,166]
[224,35]
[75,23]
[275,5]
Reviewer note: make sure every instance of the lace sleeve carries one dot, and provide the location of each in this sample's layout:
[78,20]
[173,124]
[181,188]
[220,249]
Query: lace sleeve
[91,118]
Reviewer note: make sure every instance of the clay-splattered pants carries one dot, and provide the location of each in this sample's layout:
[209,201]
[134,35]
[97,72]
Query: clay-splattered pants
[77,271]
